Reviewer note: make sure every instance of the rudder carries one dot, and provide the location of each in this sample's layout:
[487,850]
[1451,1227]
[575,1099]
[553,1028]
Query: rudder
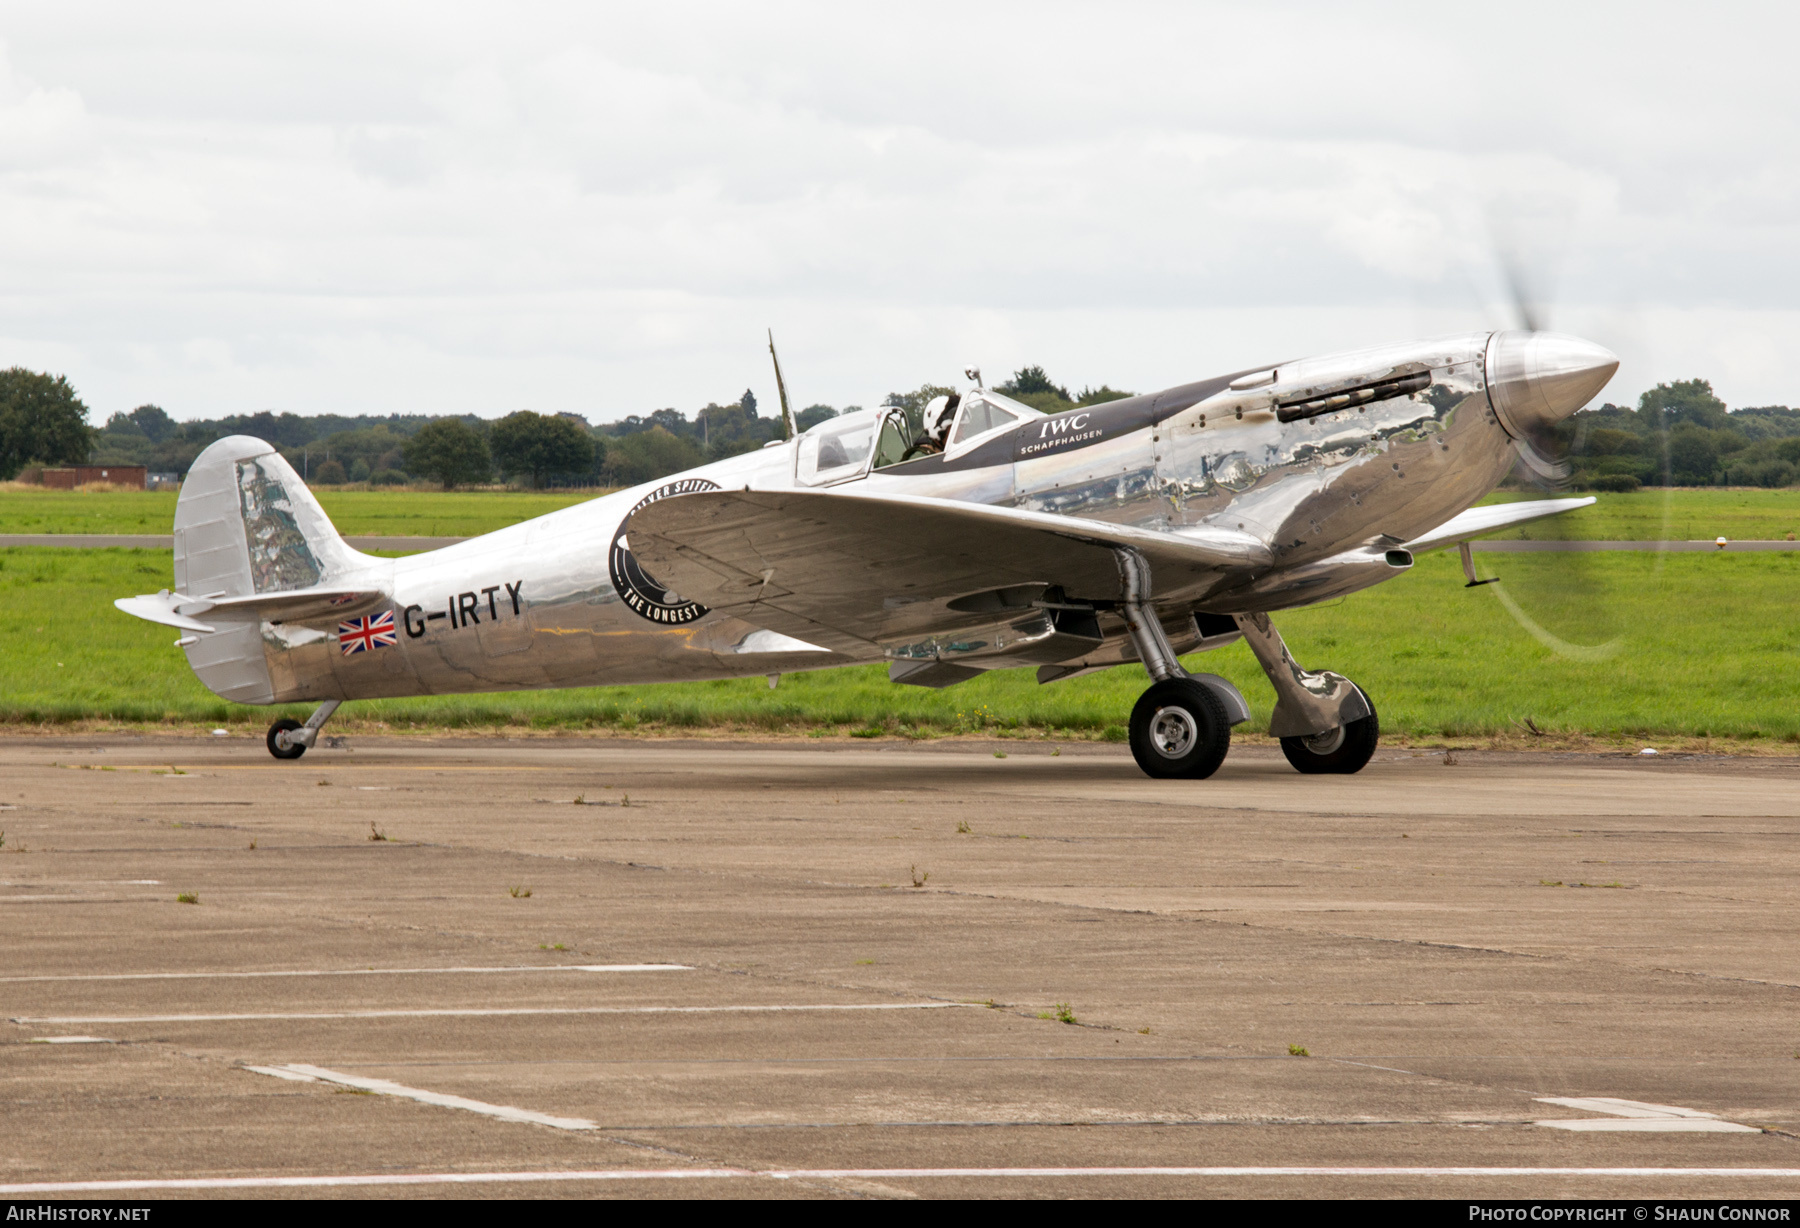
[246,523]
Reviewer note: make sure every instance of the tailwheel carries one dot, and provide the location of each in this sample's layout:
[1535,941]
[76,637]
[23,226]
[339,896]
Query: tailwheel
[1340,751]
[283,748]
[1179,729]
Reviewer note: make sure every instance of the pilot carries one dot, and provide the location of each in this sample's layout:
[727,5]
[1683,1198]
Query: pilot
[939,413]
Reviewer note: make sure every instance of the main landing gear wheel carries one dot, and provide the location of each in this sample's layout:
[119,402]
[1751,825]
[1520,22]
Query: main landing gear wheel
[1340,751]
[1179,729]
[292,750]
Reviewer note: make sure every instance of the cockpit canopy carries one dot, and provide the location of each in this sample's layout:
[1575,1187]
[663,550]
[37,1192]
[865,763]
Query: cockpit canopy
[843,448]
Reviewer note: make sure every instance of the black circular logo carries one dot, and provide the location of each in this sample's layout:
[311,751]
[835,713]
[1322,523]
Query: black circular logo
[635,587]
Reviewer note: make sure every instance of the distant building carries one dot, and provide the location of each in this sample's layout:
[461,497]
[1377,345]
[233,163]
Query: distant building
[80,475]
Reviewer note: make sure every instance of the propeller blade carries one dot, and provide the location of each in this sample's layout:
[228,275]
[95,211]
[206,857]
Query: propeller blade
[1528,314]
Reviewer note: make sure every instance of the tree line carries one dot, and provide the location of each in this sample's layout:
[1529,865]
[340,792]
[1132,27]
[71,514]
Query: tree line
[1679,434]
[43,421]
[1682,434]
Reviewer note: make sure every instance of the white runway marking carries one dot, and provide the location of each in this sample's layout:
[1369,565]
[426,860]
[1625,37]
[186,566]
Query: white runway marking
[228,976]
[282,1072]
[1650,1125]
[451,1012]
[828,1174]
[383,1087]
[1636,1115]
[55,899]
[70,1040]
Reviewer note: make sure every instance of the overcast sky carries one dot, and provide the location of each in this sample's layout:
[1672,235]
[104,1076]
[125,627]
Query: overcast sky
[439,208]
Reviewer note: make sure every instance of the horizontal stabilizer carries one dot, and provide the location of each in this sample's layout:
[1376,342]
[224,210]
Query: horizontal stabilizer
[166,608]
[302,605]
[305,605]
[1480,521]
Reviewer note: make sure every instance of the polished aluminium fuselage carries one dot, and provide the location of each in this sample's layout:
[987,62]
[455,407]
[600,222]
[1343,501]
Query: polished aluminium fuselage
[536,606]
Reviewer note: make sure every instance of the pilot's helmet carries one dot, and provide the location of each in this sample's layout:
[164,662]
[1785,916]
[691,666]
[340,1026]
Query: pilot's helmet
[938,412]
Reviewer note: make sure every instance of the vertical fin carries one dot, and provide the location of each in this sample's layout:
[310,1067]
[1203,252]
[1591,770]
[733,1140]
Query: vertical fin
[245,523]
[787,415]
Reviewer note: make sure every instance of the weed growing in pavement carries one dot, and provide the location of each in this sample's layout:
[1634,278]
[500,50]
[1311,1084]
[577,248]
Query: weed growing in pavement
[188,897]
[863,963]
[252,843]
[963,828]
[375,833]
[999,754]
[1298,1051]
[1059,1012]
[919,880]
[555,946]
[519,893]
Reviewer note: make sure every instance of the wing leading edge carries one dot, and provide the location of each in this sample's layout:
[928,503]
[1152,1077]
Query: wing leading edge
[852,571]
[1479,521]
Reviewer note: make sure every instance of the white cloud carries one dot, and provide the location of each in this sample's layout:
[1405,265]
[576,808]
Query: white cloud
[424,208]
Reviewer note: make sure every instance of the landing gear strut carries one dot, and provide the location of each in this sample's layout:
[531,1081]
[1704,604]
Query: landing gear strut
[1325,722]
[288,738]
[1181,726]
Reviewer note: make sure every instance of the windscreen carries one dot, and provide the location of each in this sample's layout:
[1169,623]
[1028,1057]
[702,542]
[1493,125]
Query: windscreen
[980,415]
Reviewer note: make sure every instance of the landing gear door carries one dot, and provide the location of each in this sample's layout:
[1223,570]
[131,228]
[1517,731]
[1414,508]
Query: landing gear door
[837,450]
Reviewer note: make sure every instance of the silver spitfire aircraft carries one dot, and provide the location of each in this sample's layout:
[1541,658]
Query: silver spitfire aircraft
[1134,530]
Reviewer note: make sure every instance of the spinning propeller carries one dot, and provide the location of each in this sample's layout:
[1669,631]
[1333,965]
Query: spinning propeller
[1561,590]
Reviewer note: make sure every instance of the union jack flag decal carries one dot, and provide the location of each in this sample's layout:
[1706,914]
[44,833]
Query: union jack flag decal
[363,634]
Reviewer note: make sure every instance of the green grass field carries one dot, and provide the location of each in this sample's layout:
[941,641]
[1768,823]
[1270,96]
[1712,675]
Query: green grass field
[1708,646]
[1679,514]
[393,513]
[1688,514]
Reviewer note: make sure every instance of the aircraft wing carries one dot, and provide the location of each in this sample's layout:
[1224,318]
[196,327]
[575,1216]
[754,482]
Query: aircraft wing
[850,571]
[1480,521]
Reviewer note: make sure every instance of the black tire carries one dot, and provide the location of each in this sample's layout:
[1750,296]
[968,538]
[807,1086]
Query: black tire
[286,724]
[1179,730]
[1351,752]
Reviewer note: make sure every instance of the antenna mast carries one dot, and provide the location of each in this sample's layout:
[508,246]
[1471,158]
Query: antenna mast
[787,415]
